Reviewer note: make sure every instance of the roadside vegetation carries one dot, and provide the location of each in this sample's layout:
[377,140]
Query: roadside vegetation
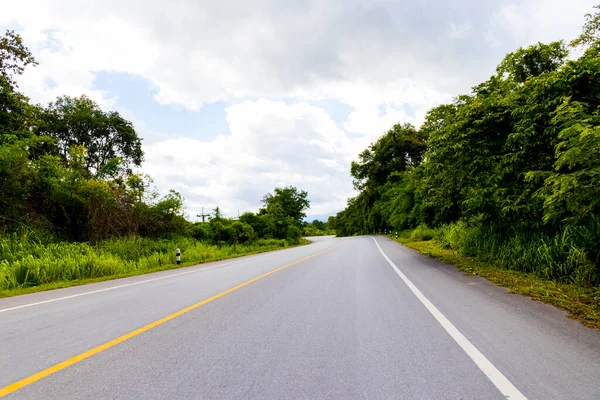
[73,208]
[507,175]
[581,302]
[318,228]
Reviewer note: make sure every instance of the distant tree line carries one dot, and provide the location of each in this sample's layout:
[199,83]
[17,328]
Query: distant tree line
[280,218]
[512,168]
[67,170]
[318,228]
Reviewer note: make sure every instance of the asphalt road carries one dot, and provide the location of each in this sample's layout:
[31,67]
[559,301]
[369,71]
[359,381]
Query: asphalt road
[350,318]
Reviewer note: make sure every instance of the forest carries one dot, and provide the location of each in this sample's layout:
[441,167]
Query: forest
[73,207]
[508,173]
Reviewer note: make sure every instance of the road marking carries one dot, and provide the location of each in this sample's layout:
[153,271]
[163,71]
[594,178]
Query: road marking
[74,360]
[498,379]
[129,284]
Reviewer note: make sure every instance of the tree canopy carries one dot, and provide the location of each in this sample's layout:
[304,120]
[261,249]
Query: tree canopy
[287,202]
[518,155]
[111,142]
[67,170]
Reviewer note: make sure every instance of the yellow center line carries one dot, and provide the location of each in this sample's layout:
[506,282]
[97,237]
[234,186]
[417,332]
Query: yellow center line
[74,360]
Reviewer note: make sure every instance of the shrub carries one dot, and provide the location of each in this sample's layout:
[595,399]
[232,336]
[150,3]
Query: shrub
[27,261]
[423,232]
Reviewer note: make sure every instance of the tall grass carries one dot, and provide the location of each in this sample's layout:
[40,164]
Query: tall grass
[26,260]
[564,257]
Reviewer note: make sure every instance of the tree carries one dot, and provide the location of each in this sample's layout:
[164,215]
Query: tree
[262,224]
[590,33]
[575,183]
[16,181]
[400,147]
[14,57]
[111,142]
[15,111]
[201,231]
[241,232]
[532,61]
[287,202]
[216,224]
[320,225]
[217,214]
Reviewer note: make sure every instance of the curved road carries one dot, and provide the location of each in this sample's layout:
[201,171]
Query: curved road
[357,318]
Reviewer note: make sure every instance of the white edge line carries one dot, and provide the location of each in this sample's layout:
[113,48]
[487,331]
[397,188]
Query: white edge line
[127,284]
[498,379]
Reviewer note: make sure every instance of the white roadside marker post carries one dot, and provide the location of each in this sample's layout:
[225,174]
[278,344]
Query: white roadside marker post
[178,254]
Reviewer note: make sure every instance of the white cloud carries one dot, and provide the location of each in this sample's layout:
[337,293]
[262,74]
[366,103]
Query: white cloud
[522,23]
[271,143]
[460,31]
[389,61]
[197,52]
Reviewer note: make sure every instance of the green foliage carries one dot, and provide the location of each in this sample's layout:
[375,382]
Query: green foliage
[590,34]
[399,148]
[241,232]
[262,224]
[560,257]
[423,232]
[319,228]
[65,169]
[201,232]
[72,209]
[14,57]
[310,230]
[574,193]
[111,141]
[287,202]
[26,261]
[533,61]
[320,225]
[581,302]
[283,213]
[510,171]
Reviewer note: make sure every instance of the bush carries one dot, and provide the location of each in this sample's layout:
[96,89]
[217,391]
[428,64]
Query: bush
[27,261]
[561,257]
[241,232]
[201,231]
[423,232]
[293,234]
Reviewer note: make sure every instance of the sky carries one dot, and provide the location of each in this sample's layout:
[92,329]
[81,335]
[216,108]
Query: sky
[233,98]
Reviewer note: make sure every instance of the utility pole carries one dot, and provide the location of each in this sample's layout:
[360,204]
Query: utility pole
[203,215]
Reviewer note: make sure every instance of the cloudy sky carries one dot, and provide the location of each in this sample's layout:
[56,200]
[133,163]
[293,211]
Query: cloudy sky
[233,97]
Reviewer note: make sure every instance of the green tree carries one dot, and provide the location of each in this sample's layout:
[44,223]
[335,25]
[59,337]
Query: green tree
[400,147]
[216,222]
[574,197]
[16,114]
[241,232]
[287,203]
[111,141]
[201,231]
[590,33]
[14,57]
[262,224]
[319,225]
[532,61]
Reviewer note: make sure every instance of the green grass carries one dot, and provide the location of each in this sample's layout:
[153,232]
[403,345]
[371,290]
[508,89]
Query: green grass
[30,265]
[582,303]
[570,256]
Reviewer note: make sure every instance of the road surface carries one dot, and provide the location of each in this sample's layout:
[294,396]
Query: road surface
[357,318]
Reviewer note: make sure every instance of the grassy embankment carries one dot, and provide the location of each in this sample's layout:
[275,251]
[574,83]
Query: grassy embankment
[30,265]
[522,265]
